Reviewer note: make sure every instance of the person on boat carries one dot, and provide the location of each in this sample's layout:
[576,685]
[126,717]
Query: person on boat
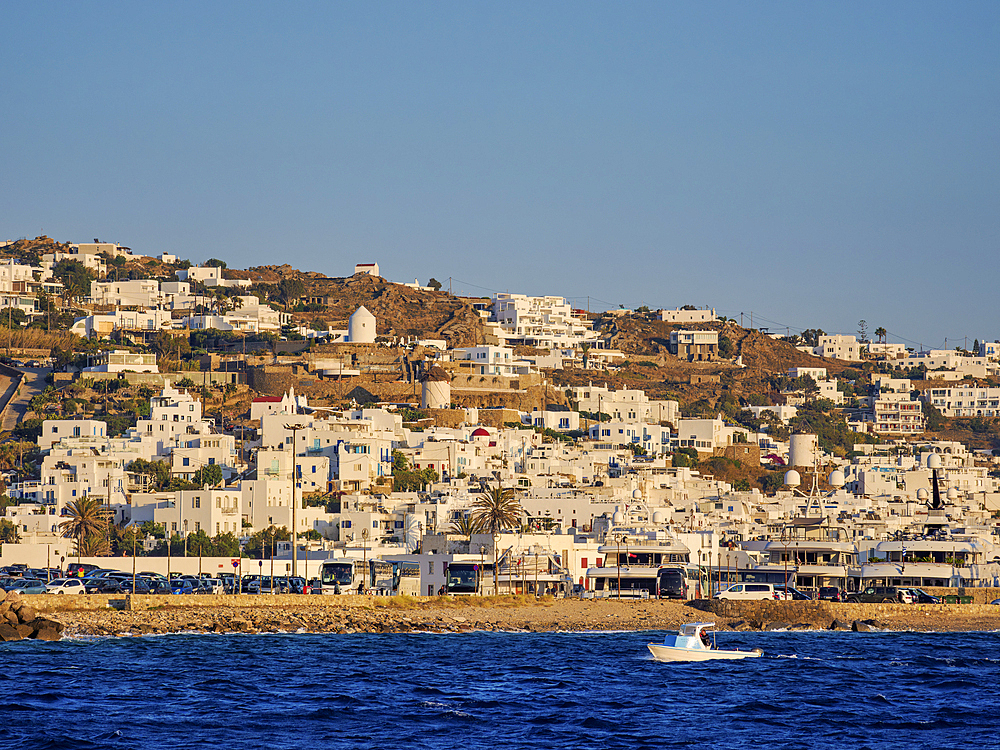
[704,639]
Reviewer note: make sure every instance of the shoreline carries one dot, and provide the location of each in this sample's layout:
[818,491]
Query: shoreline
[347,615]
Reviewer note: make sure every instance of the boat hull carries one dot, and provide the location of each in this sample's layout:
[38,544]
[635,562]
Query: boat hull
[672,653]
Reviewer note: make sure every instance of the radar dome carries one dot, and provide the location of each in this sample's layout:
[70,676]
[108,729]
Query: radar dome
[659,517]
[837,478]
[618,518]
[922,494]
[792,478]
[952,493]
[934,461]
[637,494]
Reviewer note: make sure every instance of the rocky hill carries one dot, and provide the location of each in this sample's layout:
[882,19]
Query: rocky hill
[399,310]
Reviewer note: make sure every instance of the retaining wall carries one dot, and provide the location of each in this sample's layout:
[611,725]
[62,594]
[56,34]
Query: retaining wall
[57,603]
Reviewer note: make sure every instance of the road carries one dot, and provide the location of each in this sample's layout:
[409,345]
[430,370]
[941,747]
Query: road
[31,386]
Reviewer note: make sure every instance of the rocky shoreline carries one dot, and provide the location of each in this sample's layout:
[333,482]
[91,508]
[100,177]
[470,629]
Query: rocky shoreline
[347,615]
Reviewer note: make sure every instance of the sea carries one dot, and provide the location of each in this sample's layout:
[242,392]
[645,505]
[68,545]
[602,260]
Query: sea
[500,691]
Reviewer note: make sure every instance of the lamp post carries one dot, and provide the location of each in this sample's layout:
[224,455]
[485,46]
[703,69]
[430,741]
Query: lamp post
[536,572]
[273,530]
[482,563]
[134,539]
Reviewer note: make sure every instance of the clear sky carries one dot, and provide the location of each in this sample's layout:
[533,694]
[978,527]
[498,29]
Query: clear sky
[816,163]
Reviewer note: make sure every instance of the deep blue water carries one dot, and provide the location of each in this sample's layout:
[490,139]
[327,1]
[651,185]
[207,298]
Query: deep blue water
[494,690]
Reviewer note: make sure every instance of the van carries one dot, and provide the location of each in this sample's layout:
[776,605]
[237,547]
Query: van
[748,591]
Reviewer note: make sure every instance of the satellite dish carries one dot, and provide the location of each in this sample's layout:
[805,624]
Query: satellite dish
[934,461]
[922,494]
[637,494]
[792,478]
[952,493]
[618,518]
[837,478]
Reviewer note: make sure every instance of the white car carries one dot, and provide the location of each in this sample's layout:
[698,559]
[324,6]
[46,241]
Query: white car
[748,591]
[66,586]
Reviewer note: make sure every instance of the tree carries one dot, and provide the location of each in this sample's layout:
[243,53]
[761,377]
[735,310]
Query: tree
[725,347]
[863,330]
[87,522]
[215,263]
[158,470]
[210,474]
[290,290]
[494,511]
[811,336]
[75,278]
[434,284]
[881,333]
[465,525]
[8,532]
[259,544]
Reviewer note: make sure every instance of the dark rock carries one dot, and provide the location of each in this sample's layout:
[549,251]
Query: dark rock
[10,617]
[839,625]
[47,634]
[802,626]
[25,612]
[25,631]
[861,626]
[777,625]
[9,633]
[737,624]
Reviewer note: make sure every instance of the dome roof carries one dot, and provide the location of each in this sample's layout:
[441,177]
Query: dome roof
[435,375]
[480,432]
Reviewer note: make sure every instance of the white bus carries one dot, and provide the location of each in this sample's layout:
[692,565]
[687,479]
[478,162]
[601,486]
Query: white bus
[349,576]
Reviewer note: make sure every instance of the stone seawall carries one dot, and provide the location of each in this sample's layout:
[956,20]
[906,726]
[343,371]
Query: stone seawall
[758,614]
[142,602]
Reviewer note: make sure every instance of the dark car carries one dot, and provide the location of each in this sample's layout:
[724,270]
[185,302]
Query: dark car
[79,569]
[922,597]
[158,586]
[875,595]
[792,593]
[103,586]
[671,584]
[830,594]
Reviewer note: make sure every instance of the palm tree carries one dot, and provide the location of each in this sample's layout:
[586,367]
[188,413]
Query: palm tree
[881,333]
[466,526]
[86,523]
[496,510]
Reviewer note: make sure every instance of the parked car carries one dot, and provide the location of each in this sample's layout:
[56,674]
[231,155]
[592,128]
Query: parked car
[792,593]
[102,586]
[213,585]
[922,597]
[748,591]
[995,601]
[298,585]
[66,586]
[78,570]
[182,586]
[28,586]
[878,595]
[157,586]
[830,594]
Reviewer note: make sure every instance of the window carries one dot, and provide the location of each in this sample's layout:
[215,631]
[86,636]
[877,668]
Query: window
[186,462]
[430,567]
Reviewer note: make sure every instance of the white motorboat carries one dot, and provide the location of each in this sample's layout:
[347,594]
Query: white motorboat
[691,643]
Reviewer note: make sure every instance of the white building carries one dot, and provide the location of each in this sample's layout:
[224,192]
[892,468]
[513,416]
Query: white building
[209,276]
[121,360]
[839,346]
[543,322]
[624,405]
[680,315]
[965,401]
[695,346]
[369,268]
[134,292]
[104,324]
[54,430]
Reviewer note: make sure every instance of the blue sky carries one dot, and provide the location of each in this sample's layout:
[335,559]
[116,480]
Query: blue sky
[816,163]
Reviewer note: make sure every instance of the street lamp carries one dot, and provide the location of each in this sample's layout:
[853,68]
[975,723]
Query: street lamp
[482,563]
